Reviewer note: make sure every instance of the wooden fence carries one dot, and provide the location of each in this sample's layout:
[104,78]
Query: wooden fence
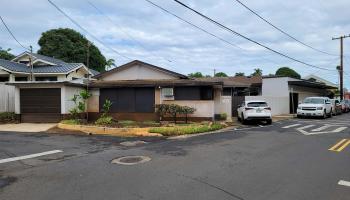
[7,98]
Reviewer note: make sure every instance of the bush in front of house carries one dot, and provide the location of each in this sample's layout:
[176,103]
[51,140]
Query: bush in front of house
[6,117]
[80,102]
[186,110]
[184,130]
[105,119]
[174,110]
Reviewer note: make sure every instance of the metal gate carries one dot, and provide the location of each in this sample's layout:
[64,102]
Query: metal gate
[236,102]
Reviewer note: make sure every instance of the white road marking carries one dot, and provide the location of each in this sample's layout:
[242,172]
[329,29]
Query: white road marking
[339,129]
[301,129]
[322,128]
[290,126]
[6,160]
[344,183]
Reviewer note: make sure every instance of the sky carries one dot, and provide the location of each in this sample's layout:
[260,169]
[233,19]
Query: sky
[138,30]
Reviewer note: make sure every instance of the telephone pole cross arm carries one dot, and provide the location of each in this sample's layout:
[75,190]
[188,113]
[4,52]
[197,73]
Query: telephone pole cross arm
[341,67]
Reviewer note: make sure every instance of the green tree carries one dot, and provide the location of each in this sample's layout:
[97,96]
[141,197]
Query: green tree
[70,46]
[110,63]
[239,74]
[286,71]
[5,54]
[257,72]
[221,74]
[196,75]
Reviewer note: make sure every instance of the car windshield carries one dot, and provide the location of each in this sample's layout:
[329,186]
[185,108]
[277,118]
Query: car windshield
[257,104]
[314,100]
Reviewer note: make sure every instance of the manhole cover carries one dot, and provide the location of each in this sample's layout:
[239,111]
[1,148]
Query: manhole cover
[131,160]
[133,143]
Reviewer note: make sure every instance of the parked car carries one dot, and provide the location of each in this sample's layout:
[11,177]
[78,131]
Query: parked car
[254,110]
[345,106]
[315,107]
[336,107]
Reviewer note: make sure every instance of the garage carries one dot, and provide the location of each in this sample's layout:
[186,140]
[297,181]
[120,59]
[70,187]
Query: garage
[40,105]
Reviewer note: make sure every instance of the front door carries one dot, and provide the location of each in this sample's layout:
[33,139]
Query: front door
[293,102]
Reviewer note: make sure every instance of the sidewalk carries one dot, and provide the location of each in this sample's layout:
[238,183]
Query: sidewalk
[26,127]
[277,118]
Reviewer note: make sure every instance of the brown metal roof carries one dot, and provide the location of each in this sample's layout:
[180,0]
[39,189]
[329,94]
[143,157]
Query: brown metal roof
[236,81]
[153,83]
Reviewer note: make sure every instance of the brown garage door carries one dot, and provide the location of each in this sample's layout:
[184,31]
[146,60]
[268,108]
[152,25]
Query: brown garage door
[40,105]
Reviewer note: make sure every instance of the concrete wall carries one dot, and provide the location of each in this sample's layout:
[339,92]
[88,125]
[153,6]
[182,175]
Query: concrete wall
[276,87]
[222,104]
[137,72]
[94,101]
[204,109]
[67,93]
[279,105]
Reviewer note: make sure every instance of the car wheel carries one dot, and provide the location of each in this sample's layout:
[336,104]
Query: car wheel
[243,120]
[330,114]
[269,121]
[324,114]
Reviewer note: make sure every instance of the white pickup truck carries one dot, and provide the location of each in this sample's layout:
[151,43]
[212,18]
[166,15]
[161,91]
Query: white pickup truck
[315,107]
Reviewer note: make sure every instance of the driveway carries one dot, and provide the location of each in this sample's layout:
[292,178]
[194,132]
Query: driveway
[293,159]
[27,127]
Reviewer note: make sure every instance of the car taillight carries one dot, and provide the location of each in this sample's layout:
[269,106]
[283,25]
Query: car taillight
[249,108]
[267,108]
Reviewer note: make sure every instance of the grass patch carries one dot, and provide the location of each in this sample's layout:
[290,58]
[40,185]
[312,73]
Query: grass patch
[70,122]
[127,123]
[184,130]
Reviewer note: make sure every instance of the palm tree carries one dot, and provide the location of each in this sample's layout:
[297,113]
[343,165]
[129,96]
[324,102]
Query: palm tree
[110,63]
[257,72]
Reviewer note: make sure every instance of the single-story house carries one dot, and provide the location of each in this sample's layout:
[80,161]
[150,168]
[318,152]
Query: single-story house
[137,87]
[47,97]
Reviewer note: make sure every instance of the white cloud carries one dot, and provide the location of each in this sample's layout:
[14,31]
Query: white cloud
[164,37]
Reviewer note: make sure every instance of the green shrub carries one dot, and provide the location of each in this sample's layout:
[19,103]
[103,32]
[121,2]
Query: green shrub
[71,122]
[184,130]
[223,116]
[107,120]
[7,116]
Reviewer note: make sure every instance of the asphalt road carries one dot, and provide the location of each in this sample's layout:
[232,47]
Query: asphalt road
[296,159]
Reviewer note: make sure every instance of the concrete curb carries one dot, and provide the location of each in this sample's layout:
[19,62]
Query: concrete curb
[109,131]
[179,137]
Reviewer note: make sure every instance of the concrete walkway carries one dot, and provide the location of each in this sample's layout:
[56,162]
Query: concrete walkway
[26,127]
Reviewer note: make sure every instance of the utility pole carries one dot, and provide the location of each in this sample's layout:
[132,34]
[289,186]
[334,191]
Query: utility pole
[214,72]
[341,67]
[31,64]
[88,78]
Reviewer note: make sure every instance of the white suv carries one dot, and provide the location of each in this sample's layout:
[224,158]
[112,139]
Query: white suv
[254,110]
[315,107]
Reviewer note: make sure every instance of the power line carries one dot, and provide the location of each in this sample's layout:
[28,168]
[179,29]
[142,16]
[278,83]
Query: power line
[249,39]
[125,32]
[282,31]
[13,36]
[201,29]
[94,37]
